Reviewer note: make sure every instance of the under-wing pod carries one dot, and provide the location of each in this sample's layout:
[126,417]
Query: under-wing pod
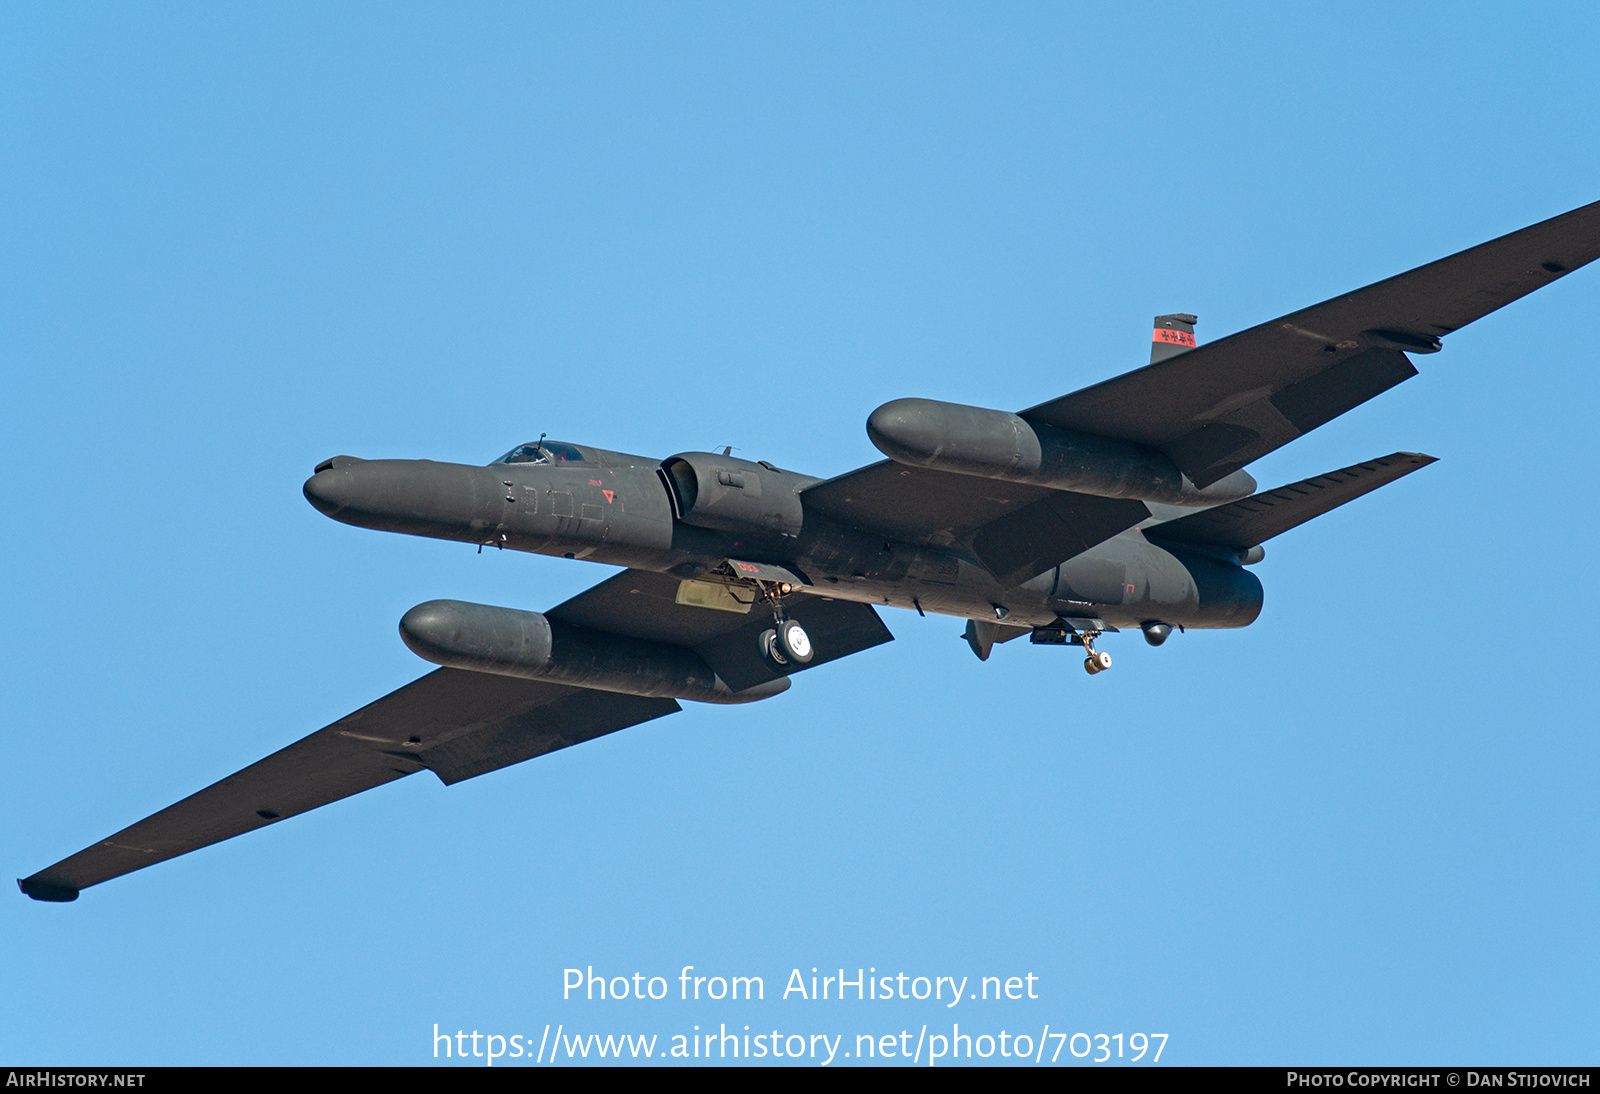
[507,642]
[995,444]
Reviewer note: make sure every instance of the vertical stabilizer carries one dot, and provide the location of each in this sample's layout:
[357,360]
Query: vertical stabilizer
[1173,335]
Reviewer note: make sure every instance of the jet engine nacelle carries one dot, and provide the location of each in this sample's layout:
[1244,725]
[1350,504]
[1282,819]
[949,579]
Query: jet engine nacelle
[507,642]
[732,495]
[995,444]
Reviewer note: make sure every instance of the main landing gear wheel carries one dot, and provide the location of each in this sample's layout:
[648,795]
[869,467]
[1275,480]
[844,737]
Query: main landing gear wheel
[787,645]
[795,643]
[1095,662]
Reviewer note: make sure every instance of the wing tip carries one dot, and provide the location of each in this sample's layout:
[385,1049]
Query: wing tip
[52,892]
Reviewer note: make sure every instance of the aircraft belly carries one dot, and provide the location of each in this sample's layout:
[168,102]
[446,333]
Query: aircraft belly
[1189,590]
[1125,581]
[1097,579]
[974,594]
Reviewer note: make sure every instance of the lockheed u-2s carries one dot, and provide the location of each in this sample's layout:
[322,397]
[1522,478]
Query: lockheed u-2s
[1122,505]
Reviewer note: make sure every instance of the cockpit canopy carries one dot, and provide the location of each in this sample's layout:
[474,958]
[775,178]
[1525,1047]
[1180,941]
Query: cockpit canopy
[545,452]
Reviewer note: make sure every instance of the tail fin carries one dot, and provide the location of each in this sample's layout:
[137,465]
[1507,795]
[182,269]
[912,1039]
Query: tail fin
[1250,522]
[1173,335]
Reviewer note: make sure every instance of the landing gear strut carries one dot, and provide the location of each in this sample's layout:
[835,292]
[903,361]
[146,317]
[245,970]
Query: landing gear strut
[1096,661]
[1062,634]
[785,643]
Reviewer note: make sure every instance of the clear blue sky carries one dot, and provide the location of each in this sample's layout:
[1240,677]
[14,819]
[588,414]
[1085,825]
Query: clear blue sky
[237,240]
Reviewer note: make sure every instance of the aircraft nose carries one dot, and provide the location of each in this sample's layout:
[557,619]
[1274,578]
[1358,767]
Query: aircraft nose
[416,497]
[331,487]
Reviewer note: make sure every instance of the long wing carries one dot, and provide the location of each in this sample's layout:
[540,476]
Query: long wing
[1015,530]
[459,724]
[1216,408]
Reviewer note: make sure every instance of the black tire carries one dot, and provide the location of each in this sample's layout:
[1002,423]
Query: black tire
[768,645]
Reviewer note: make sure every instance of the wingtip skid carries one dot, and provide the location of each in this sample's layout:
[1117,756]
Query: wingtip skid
[44,890]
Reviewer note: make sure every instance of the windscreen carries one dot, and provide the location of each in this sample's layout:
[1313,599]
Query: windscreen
[544,452]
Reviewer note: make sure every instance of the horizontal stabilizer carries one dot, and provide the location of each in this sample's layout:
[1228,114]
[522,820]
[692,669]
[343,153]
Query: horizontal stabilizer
[1256,519]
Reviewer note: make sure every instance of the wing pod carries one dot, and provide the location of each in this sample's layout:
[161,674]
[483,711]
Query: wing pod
[995,444]
[507,642]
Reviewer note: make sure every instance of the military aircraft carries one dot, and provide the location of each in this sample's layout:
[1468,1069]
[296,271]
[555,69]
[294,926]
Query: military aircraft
[1123,505]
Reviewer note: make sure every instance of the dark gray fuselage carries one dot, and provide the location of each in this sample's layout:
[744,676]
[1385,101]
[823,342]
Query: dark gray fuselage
[626,510]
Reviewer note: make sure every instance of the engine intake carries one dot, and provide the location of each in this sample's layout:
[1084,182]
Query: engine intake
[727,494]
